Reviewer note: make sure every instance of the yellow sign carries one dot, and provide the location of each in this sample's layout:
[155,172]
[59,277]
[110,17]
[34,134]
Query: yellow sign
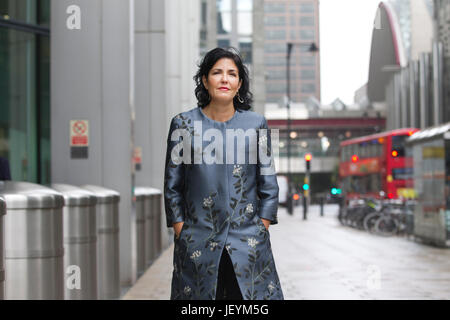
[389,178]
[433,152]
[408,193]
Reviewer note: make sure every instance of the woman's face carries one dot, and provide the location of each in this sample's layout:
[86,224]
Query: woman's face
[223,81]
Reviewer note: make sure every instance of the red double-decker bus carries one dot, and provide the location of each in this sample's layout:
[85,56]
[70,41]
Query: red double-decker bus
[378,162]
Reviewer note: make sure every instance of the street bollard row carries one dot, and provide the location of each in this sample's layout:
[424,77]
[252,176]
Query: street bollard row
[148,227]
[2,269]
[63,242]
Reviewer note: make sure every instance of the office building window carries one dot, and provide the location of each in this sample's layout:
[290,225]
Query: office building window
[274,7]
[308,88]
[307,7]
[275,48]
[307,21]
[25,89]
[276,34]
[224,16]
[274,60]
[275,21]
[307,60]
[308,74]
[223,43]
[276,87]
[307,34]
[245,48]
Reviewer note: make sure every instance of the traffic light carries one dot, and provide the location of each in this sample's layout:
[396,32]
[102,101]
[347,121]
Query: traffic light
[336,191]
[308,158]
[305,186]
[355,158]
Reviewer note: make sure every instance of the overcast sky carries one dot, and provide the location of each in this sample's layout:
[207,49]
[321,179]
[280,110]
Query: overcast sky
[345,39]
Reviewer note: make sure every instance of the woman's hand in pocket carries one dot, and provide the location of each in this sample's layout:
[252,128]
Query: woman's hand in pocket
[177,228]
[266,223]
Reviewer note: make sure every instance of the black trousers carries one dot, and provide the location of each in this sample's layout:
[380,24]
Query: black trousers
[227,285]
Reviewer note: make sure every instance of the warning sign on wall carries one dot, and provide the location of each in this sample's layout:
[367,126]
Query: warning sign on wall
[79,133]
[137,158]
[79,139]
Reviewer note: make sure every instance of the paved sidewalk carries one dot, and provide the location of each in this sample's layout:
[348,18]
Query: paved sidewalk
[320,259]
[154,284]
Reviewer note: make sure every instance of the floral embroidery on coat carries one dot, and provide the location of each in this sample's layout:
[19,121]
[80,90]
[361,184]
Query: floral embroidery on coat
[221,210]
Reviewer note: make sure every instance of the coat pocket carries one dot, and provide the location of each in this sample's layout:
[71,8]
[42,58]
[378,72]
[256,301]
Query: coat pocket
[260,225]
[184,227]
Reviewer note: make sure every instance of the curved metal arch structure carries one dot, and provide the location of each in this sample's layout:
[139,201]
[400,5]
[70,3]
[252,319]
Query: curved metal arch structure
[387,53]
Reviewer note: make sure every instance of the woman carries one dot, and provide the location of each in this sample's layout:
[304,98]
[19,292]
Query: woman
[221,210]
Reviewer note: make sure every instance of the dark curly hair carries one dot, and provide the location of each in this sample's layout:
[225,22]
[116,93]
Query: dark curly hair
[206,65]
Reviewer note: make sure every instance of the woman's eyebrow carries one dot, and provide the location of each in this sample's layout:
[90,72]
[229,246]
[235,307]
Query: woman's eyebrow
[218,69]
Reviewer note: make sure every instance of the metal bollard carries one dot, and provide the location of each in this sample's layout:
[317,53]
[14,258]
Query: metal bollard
[156,198]
[148,235]
[108,272]
[322,200]
[141,238]
[2,248]
[34,247]
[157,215]
[151,228]
[80,242]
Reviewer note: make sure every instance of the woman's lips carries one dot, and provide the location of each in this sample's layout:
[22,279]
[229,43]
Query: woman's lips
[224,89]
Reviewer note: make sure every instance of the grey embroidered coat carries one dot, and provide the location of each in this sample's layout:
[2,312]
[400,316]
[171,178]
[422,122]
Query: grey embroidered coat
[221,205]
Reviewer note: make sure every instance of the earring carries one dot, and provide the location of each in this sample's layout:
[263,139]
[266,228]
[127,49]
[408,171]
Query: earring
[240,99]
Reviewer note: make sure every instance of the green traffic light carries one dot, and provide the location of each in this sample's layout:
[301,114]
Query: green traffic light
[334,191]
[306,186]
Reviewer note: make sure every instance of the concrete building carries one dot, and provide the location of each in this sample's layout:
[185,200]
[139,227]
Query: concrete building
[442,35]
[237,24]
[405,65]
[296,22]
[118,68]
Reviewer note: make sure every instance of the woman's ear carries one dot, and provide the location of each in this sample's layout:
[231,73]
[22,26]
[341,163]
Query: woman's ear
[204,82]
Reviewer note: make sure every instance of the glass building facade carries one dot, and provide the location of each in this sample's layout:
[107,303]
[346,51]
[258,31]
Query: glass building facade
[297,22]
[25,88]
[235,26]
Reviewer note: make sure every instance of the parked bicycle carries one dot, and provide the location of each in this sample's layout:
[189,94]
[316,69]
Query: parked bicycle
[381,217]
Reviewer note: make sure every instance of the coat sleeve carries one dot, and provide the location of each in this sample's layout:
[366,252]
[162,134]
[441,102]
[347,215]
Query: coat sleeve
[174,203]
[267,185]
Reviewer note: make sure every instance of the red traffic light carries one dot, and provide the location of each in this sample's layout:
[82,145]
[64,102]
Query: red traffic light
[394,153]
[308,157]
[295,196]
[355,158]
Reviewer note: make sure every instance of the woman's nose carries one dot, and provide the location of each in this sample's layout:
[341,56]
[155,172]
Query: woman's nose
[225,78]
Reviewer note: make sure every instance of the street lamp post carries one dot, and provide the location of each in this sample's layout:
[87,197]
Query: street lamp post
[288,106]
[312,48]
